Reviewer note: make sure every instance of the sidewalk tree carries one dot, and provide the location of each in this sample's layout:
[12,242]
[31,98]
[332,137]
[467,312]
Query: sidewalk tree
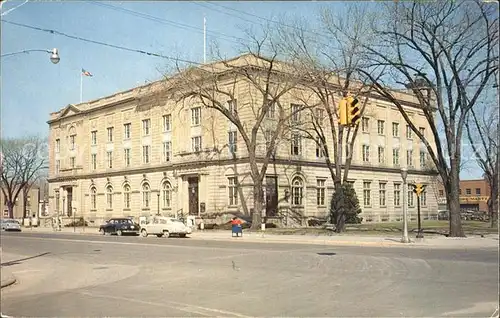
[216,86]
[329,61]
[483,131]
[350,205]
[23,161]
[446,53]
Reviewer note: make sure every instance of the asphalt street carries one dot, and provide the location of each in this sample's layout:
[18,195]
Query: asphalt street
[93,276]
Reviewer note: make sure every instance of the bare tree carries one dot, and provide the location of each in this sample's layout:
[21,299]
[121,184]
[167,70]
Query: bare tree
[23,160]
[245,91]
[452,47]
[330,67]
[483,134]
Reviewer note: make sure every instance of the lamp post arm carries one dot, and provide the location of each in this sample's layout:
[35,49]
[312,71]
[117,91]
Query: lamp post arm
[25,51]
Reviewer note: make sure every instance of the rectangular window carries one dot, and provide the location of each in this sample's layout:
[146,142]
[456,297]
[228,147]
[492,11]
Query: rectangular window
[167,151]
[126,156]
[167,123]
[422,130]
[320,114]
[109,158]
[381,193]
[195,116]
[233,190]
[233,141]
[232,106]
[58,145]
[110,134]
[441,193]
[397,194]
[381,154]
[423,198]
[296,112]
[410,199]
[126,130]
[367,193]
[408,132]
[146,127]
[196,144]
[366,153]
[320,152]
[395,157]
[365,121]
[72,142]
[395,129]
[468,191]
[409,158]
[381,127]
[478,191]
[268,134]
[320,192]
[423,156]
[295,148]
[145,154]
[93,161]
[58,166]
[93,137]
[72,162]
[271,112]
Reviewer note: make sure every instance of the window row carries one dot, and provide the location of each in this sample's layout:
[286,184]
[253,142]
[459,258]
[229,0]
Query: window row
[397,196]
[165,193]
[395,156]
[365,127]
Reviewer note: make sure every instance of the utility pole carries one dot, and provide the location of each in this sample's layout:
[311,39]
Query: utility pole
[404,175]
[204,40]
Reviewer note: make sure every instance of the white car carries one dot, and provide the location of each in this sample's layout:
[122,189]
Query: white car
[164,226]
[10,225]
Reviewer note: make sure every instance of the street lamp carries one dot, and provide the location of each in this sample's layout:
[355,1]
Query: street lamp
[404,175]
[158,205]
[54,54]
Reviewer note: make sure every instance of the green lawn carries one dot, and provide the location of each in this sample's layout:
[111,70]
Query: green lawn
[393,228]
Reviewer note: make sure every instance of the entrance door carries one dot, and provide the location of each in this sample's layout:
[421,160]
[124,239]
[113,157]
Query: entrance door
[271,196]
[193,195]
[69,201]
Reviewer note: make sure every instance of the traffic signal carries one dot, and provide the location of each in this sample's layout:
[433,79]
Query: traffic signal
[418,188]
[353,111]
[343,112]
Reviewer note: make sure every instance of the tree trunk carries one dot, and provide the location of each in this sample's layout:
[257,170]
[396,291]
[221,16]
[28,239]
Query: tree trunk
[10,207]
[258,195]
[493,204]
[453,198]
[340,210]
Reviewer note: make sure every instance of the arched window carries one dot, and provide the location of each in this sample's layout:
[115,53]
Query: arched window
[109,196]
[126,196]
[297,191]
[167,194]
[93,198]
[146,195]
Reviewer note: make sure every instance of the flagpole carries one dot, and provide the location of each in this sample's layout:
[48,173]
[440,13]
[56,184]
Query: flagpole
[81,87]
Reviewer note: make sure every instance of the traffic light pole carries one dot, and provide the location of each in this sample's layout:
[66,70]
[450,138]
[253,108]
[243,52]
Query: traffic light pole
[419,234]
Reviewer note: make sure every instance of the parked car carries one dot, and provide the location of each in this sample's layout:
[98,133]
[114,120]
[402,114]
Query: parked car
[164,226]
[119,226]
[10,225]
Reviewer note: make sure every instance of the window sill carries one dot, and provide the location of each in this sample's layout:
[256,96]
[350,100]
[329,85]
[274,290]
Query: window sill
[321,206]
[127,209]
[297,206]
[166,209]
[146,209]
[109,210]
[93,210]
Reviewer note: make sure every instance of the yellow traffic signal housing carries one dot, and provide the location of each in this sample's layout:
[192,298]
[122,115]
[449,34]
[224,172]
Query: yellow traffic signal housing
[343,112]
[419,188]
[353,111]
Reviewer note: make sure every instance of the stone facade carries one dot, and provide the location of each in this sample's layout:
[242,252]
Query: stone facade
[130,154]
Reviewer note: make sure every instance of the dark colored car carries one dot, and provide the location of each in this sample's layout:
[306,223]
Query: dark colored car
[119,226]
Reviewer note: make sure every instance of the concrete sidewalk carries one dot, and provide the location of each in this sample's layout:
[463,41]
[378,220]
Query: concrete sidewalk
[384,240]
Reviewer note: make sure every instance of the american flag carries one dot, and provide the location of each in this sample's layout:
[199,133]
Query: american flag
[86,73]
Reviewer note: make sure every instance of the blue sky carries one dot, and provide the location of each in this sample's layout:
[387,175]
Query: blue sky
[32,86]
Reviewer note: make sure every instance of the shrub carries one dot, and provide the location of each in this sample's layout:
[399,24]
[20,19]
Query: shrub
[78,222]
[351,205]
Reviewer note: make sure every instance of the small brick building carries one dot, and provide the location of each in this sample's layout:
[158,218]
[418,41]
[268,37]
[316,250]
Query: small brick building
[474,194]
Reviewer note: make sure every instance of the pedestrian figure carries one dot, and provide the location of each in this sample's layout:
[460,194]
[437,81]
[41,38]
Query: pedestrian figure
[236,227]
